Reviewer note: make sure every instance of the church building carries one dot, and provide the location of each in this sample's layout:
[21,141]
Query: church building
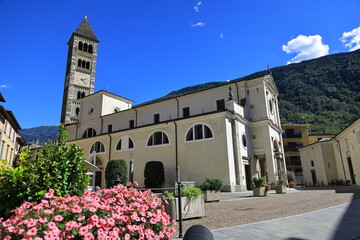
[230,131]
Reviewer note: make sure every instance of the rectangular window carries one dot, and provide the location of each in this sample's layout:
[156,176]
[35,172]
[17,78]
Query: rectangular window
[243,102]
[220,105]
[156,118]
[186,112]
[312,163]
[131,123]
[109,128]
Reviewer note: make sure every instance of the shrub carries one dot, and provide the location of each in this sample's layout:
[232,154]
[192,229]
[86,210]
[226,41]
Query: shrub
[60,167]
[191,192]
[117,213]
[212,184]
[154,174]
[114,168]
[258,182]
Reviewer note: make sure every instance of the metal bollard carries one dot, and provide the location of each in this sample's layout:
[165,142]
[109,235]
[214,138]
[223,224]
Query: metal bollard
[198,232]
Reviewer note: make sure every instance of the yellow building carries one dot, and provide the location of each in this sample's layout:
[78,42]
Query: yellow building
[10,140]
[296,136]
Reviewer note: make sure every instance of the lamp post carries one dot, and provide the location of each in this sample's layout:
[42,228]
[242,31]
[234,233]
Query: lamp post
[131,171]
[94,173]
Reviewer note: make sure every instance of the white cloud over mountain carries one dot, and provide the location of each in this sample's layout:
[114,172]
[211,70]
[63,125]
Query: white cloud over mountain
[351,39]
[306,47]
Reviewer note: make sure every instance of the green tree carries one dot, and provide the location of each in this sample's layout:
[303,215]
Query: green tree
[116,168]
[60,167]
[154,174]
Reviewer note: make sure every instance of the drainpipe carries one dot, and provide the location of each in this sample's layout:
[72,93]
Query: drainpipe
[237,93]
[110,146]
[342,160]
[177,107]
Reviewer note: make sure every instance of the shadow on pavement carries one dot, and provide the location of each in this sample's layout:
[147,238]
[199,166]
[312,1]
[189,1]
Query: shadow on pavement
[348,227]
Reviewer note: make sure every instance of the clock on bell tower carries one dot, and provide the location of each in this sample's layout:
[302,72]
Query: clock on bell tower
[80,70]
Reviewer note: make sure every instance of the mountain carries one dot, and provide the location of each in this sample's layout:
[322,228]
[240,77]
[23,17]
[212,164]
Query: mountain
[43,133]
[323,92]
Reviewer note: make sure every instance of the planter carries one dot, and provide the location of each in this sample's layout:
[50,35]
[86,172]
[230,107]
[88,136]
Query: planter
[192,209]
[291,184]
[259,191]
[280,189]
[211,196]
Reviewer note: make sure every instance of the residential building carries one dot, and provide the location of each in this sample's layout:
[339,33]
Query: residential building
[295,137]
[334,158]
[230,131]
[10,140]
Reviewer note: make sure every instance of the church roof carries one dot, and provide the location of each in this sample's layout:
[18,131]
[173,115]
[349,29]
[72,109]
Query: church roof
[85,30]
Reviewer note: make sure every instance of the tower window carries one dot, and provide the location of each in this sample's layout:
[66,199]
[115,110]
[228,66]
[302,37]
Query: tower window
[82,94]
[85,47]
[80,47]
[83,64]
[78,95]
[77,111]
[90,50]
[79,63]
[87,65]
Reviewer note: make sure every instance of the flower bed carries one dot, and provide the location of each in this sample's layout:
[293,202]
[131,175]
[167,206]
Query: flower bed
[116,213]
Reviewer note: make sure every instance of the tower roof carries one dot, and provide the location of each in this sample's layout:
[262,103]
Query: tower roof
[85,30]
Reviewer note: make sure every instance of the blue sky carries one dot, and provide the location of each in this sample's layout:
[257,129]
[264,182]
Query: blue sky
[150,48]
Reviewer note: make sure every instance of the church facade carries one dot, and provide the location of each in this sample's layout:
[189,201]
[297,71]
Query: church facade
[231,132]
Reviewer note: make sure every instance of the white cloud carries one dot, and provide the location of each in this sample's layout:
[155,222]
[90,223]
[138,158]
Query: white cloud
[196,7]
[4,85]
[306,47]
[351,39]
[221,35]
[198,24]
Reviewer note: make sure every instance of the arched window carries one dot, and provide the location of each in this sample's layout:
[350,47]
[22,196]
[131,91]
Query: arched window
[271,106]
[116,109]
[90,132]
[125,143]
[79,95]
[90,50]
[77,111]
[83,64]
[85,47]
[98,147]
[82,94]
[80,47]
[87,65]
[158,138]
[276,146]
[79,63]
[198,132]
[118,146]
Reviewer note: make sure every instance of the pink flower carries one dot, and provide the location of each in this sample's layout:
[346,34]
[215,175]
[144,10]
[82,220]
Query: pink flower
[80,218]
[32,231]
[51,225]
[76,209]
[94,218]
[83,231]
[57,218]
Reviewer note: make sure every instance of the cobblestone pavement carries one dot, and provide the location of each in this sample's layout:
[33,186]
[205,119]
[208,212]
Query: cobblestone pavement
[231,212]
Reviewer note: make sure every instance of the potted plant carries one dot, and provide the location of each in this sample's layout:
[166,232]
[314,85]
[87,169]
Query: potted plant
[259,188]
[192,203]
[291,179]
[211,189]
[281,182]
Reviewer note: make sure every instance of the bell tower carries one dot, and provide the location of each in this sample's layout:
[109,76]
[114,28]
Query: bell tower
[80,70]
